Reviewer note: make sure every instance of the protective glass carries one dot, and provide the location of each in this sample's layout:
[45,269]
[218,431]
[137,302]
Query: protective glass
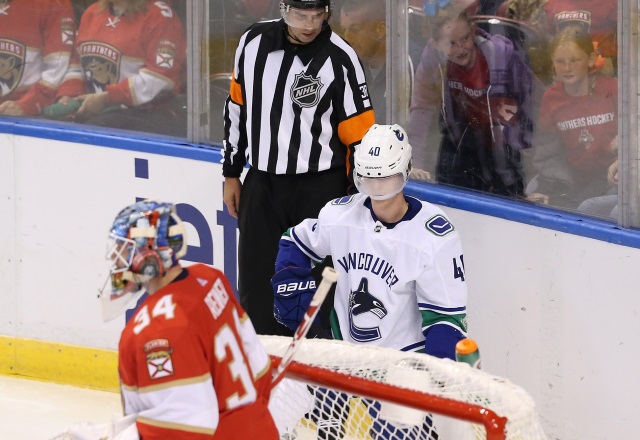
[380,188]
[431,7]
[304,19]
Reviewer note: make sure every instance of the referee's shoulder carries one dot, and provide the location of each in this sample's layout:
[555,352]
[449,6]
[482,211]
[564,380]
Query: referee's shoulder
[262,28]
[342,46]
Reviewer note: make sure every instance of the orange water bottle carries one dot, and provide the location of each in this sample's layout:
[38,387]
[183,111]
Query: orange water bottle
[467,351]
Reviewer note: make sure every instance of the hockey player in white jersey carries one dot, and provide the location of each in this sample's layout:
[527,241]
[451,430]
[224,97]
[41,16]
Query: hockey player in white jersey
[401,280]
[401,277]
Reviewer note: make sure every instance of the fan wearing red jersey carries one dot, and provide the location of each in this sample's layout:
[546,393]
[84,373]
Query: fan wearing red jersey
[126,69]
[577,138]
[190,363]
[36,40]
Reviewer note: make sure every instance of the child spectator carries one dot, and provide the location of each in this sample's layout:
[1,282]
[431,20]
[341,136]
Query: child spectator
[599,18]
[484,95]
[577,138]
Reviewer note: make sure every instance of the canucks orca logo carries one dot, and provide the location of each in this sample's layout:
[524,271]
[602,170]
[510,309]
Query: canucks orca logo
[362,301]
[399,135]
[305,90]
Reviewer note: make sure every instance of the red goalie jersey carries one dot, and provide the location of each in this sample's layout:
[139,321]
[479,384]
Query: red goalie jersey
[192,366]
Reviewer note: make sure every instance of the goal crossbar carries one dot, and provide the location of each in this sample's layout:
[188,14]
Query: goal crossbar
[493,424]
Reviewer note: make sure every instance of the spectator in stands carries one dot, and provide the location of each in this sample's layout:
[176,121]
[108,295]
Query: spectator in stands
[484,95]
[363,24]
[597,17]
[36,40]
[127,67]
[577,138]
[530,11]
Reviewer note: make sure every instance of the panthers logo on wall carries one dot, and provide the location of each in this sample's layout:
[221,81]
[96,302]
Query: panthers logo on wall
[12,61]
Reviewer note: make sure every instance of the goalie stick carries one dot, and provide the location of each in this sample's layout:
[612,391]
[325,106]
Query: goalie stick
[329,276]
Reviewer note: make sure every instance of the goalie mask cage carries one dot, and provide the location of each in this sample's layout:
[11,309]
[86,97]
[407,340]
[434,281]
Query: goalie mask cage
[337,390]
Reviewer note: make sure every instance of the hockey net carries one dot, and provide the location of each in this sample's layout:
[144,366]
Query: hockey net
[337,390]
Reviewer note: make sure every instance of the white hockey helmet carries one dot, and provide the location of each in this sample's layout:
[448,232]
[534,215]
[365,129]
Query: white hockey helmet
[146,239]
[382,162]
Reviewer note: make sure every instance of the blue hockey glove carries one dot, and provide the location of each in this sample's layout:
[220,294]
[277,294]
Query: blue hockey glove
[441,340]
[293,288]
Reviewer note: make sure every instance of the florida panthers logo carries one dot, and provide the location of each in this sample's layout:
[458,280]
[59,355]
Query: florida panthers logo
[166,54]
[585,139]
[12,61]
[305,90]
[362,301]
[100,64]
[159,362]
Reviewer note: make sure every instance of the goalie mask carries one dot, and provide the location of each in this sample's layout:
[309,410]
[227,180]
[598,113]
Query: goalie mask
[382,162]
[146,239]
[305,14]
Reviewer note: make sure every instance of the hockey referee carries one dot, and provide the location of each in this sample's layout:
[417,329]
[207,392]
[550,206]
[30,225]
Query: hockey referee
[298,106]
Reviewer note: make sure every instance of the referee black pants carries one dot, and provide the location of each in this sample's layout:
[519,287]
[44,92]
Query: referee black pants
[269,205]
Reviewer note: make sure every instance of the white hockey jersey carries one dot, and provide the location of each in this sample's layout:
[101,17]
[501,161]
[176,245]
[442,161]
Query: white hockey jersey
[394,280]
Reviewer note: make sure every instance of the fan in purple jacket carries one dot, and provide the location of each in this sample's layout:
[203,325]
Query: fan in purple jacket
[483,94]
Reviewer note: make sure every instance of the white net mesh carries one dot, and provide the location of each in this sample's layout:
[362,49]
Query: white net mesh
[332,399]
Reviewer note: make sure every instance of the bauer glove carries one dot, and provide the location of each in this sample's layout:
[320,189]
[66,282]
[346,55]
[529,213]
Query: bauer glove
[293,288]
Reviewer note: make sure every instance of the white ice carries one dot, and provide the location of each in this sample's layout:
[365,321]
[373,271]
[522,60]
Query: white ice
[34,410]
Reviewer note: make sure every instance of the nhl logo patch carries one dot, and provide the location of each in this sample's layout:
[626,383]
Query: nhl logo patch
[305,90]
[438,225]
[159,363]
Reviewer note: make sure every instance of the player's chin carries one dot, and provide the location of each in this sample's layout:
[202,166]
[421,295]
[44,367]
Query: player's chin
[307,36]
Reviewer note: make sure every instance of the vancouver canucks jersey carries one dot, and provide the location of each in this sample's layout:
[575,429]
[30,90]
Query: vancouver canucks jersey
[396,281]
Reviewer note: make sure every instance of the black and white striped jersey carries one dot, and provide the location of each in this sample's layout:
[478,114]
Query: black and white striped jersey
[294,109]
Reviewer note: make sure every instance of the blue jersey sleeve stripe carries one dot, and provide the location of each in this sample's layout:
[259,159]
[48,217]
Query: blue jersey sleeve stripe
[424,306]
[413,347]
[302,246]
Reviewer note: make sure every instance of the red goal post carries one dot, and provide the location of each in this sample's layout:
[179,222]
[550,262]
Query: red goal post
[336,390]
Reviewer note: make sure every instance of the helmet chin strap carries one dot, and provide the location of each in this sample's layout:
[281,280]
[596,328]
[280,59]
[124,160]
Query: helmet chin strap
[293,37]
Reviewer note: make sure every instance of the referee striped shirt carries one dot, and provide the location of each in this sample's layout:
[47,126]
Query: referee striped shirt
[294,109]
